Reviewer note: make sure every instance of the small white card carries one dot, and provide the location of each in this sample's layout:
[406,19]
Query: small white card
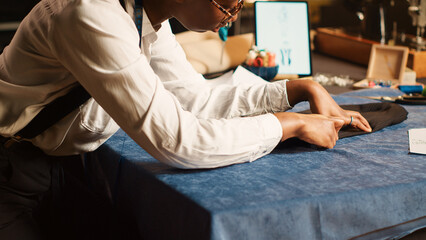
[417,138]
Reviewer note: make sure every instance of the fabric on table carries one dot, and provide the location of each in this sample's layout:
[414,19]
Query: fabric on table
[378,115]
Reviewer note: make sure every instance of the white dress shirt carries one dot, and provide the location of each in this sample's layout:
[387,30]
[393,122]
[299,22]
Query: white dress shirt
[150,91]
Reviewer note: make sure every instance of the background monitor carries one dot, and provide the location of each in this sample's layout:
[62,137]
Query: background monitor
[283,27]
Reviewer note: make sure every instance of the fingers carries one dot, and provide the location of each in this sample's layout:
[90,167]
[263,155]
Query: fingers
[358,121]
[365,125]
[323,131]
[360,124]
[338,123]
[330,142]
[316,129]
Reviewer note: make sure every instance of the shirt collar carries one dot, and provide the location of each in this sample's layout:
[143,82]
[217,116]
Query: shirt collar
[147,27]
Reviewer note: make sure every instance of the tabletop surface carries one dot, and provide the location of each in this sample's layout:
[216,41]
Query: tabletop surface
[366,183]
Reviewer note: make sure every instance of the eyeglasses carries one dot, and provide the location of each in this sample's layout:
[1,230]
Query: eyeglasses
[229,14]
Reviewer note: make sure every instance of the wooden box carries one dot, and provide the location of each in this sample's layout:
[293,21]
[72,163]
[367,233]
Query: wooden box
[337,43]
[386,66]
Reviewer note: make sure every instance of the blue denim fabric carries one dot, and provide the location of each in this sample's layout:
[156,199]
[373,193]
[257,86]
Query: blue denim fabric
[368,186]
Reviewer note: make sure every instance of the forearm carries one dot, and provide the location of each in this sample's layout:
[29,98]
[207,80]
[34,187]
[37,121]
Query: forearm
[228,101]
[304,90]
[291,124]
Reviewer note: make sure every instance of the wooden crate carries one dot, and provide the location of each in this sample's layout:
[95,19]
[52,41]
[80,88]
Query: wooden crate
[337,43]
[417,62]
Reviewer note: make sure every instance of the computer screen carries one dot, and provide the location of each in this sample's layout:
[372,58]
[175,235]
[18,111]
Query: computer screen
[282,27]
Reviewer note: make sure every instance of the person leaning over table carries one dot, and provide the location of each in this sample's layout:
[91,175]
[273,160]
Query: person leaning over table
[145,86]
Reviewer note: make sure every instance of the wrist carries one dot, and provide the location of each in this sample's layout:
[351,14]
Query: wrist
[291,123]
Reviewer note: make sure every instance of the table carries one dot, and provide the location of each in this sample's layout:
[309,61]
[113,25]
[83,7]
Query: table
[367,187]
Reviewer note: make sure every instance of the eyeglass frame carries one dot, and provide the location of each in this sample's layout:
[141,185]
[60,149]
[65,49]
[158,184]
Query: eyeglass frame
[230,14]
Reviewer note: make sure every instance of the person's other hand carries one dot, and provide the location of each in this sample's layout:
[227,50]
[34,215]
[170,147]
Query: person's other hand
[316,129]
[322,103]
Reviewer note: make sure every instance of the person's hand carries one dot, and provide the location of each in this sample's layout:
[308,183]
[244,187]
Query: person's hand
[316,129]
[322,103]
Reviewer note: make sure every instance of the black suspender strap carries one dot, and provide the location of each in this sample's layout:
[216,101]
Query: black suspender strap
[51,114]
[64,105]
[55,111]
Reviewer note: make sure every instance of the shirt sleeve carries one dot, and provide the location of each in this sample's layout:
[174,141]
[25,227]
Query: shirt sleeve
[100,49]
[225,101]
